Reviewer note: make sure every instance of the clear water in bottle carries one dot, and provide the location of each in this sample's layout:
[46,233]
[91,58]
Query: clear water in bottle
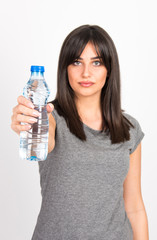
[34,142]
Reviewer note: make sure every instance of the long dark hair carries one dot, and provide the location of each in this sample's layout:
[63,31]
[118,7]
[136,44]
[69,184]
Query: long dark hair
[114,121]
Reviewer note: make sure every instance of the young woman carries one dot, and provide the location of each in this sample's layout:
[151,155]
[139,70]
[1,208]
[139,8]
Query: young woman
[91,179]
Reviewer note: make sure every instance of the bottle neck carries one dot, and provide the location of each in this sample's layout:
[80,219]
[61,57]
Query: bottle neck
[37,75]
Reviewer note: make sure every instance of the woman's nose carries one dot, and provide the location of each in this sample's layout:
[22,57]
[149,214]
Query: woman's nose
[86,71]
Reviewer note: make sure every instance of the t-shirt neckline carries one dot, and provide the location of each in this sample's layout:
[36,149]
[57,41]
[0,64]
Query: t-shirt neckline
[91,129]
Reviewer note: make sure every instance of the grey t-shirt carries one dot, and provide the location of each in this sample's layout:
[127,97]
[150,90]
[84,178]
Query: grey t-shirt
[82,186]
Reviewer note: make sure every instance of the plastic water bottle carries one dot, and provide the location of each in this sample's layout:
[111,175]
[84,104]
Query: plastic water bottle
[34,142]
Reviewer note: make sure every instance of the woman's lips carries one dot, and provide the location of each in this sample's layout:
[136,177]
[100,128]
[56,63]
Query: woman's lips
[86,84]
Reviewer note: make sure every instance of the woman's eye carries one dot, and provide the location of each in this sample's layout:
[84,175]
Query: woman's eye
[97,63]
[76,63]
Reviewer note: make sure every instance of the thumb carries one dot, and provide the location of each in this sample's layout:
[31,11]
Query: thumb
[49,107]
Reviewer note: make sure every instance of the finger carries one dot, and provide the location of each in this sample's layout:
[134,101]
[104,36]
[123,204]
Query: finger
[50,107]
[25,119]
[24,101]
[21,109]
[18,128]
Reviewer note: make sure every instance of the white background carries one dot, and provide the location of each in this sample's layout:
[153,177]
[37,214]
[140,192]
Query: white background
[32,32]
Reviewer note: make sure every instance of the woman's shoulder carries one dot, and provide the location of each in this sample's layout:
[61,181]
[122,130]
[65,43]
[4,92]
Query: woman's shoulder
[136,133]
[131,118]
[137,130]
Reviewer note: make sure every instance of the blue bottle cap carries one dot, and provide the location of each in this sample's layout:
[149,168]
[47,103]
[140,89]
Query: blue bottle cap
[37,69]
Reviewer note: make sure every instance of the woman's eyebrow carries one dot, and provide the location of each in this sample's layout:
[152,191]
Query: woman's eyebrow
[97,57]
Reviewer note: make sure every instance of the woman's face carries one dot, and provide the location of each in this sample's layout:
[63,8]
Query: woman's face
[87,74]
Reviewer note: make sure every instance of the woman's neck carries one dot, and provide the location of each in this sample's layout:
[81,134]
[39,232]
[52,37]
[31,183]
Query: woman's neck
[89,109]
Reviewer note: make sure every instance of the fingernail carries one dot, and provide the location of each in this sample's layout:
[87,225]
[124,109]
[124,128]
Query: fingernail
[33,119]
[31,105]
[36,114]
[51,105]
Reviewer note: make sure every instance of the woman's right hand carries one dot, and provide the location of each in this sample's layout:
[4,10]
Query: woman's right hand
[24,112]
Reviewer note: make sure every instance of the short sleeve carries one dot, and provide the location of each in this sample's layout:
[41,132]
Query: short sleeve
[136,135]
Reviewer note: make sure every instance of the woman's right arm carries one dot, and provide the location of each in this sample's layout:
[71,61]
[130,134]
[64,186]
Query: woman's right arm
[24,112]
